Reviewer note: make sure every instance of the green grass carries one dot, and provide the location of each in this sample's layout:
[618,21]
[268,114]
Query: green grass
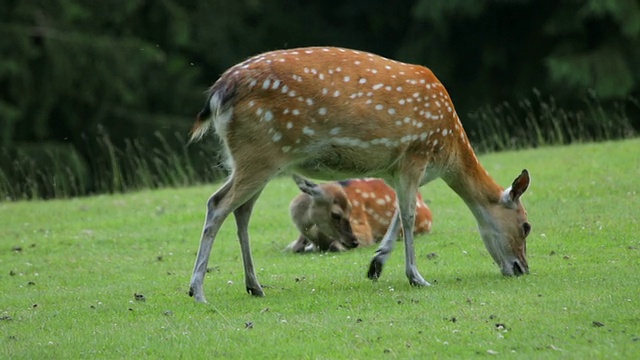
[69,270]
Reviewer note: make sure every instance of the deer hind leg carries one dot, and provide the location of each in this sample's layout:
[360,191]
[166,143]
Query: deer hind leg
[242,215]
[214,218]
[239,193]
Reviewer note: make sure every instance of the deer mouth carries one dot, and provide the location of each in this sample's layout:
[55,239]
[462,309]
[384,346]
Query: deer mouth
[514,268]
[519,269]
[350,243]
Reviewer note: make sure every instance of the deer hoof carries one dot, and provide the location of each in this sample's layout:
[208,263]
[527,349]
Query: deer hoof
[375,269]
[255,291]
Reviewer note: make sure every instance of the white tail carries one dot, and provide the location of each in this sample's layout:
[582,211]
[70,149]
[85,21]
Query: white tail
[367,205]
[331,113]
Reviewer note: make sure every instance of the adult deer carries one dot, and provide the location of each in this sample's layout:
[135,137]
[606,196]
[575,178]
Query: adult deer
[336,113]
[340,215]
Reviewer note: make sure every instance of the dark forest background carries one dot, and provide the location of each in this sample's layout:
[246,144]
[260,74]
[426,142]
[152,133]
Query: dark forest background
[99,96]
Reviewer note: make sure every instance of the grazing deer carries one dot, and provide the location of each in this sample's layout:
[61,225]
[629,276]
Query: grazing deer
[338,216]
[331,113]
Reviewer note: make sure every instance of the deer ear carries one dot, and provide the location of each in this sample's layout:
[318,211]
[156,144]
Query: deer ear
[307,186]
[518,187]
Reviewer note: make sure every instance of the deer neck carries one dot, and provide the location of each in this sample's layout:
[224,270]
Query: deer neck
[469,179]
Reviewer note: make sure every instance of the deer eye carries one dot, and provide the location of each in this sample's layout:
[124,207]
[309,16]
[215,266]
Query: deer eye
[336,216]
[526,228]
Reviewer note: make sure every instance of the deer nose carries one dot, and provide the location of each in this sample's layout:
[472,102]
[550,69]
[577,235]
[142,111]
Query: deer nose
[519,269]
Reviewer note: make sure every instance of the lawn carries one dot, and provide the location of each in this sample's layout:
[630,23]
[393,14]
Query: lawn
[107,276]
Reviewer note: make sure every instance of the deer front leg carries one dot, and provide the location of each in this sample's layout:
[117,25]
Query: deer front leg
[299,245]
[385,248]
[407,206]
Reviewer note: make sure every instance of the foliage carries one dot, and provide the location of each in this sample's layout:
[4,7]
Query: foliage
[69,281]
[72,71]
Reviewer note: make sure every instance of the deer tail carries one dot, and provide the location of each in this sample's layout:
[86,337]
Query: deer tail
[217,111]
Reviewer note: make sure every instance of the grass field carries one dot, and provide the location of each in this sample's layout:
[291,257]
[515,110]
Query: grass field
[70,271]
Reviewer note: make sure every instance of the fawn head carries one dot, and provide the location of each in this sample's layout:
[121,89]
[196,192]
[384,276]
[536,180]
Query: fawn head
[329,210]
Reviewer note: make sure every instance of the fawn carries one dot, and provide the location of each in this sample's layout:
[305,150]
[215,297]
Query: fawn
[338,216]
[333,113]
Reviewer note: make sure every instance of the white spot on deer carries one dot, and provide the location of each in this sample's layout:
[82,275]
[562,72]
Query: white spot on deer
[399,89]
[308,131]
[289,125]
[252,103]
[284,89]
[444,132]
[374,71]
[401,102]
[391,111]
[381,202]
[357,62]
[276,84]
[335,131]
[276,137]
[407,120]
[259,111]
[437,103]
[308,51]
[362,80]
[346,79]
[306,70]
[295,112]
[366,196]
[347,141]
[424,136]
[325,91]
[253,83]
[292,93]
[399,123]
[377,86]
[268,116]
[321,76]
[379,107]
[435,142]
[336,93]
[309,101]
[322,111]
[369,101]
[355,203]
[387,67]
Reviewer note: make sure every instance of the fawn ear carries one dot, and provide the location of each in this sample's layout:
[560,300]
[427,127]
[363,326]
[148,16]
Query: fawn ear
[307,186]
[518,187]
